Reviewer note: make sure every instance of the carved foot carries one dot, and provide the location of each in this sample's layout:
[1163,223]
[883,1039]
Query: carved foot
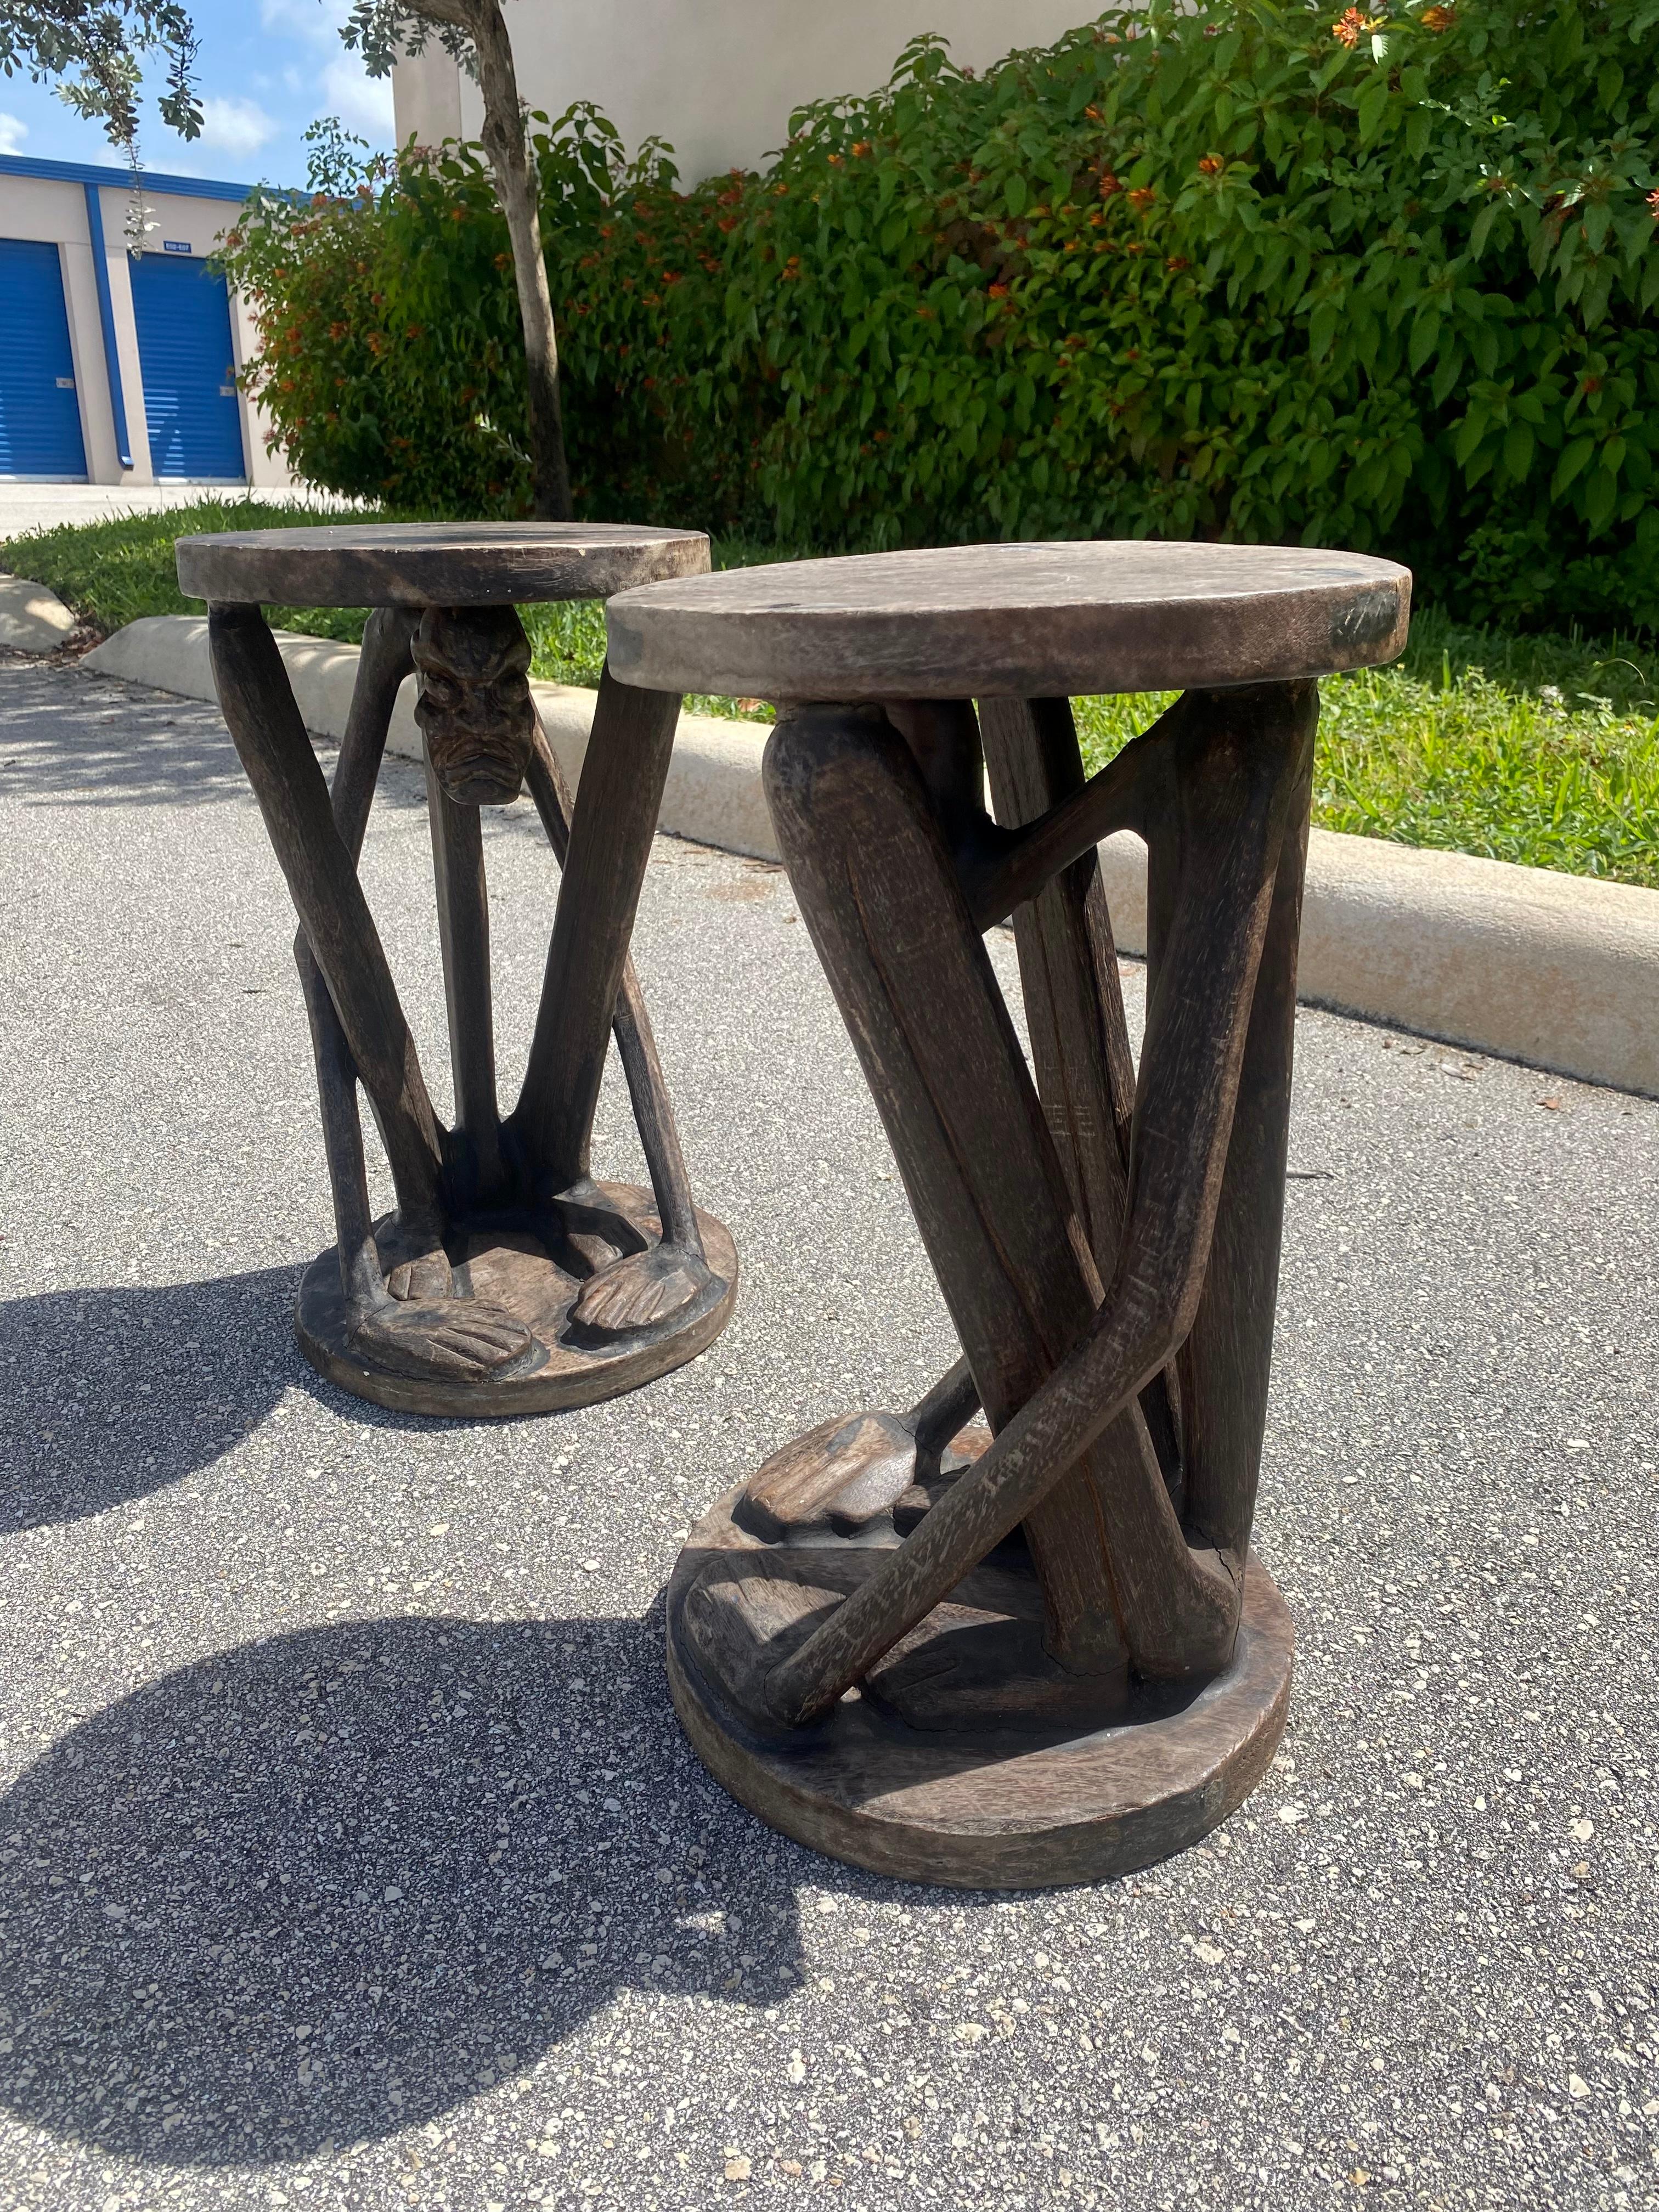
[593,1226]
[414,1261]
[640,1289]
[450,1339]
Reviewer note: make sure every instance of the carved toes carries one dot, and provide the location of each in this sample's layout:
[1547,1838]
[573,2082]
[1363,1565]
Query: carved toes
[426,1277]
[640,1289]
[454,1339]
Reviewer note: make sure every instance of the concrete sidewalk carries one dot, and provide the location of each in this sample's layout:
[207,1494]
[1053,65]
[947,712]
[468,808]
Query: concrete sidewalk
[25,506]
[350,1854]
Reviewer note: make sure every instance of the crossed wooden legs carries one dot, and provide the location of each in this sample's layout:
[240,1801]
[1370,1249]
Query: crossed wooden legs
[418,1300]
[1107,1245]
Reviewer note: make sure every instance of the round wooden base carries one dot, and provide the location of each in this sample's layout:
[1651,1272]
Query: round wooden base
[513,1270]
[966,1757]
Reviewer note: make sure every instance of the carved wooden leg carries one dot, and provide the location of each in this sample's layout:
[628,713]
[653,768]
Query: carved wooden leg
[603,845]
[877,888]
[477,1163]
[418,1336]
[381,669]
[322,879]
[1085,1070]
[1227,1357]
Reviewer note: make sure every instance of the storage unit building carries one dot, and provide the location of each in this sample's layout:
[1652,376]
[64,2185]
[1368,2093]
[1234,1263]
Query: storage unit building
[40,408]
[118,367]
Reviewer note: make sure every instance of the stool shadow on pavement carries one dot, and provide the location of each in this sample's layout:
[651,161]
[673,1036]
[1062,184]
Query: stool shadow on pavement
[115,746]
[327,1885]
[108,1394]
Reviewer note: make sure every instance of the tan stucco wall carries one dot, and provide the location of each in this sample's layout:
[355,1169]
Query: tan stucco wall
[716,78]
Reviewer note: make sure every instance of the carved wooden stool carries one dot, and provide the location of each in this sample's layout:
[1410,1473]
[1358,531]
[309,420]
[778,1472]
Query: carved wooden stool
[1049,1657]
[507,1281]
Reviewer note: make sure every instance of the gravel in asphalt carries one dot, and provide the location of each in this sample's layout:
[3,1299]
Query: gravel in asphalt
[350,1854]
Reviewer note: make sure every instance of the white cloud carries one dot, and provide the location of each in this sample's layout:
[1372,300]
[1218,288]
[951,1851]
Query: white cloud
[13,132]
[317,21]
[236,126]
[362,103]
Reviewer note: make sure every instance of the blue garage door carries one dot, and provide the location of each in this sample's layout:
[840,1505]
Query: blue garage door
[183,313]
[40,414]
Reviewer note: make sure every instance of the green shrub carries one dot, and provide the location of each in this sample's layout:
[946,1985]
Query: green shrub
[1247,273]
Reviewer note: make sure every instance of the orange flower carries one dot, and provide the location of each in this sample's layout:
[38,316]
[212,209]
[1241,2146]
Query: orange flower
[1142,197]
[1211,165]
[1349,27]
[1000,291]
[861,147]
[1109,185]
[1177,261]
[1437,19]
[1653,205]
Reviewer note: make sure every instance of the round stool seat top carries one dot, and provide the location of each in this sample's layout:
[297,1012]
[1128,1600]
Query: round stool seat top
[434,564]
[1015,620]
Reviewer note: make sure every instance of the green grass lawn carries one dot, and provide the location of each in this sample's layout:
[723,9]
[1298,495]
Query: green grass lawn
[1543,749]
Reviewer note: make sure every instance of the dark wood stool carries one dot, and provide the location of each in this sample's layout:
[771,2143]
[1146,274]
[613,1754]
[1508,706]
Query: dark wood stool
[507,1281]
[1043,1654]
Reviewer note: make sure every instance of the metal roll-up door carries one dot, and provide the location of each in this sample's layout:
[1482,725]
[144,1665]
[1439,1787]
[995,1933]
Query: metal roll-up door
[40,412]
[182,310]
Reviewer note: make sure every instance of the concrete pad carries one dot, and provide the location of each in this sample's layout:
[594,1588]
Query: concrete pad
[25,506]
[350,1856]
[32,618]
[1558,970]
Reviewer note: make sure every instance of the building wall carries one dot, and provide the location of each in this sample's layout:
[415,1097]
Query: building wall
[716,78]
[54,209]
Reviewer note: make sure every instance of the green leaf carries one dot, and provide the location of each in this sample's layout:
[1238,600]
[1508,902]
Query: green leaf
[1470,432]
[1373,101]
[1600,499]
[1418,125]
[1518,450]
[1322,328]
[1014,195]
[1425,336]
[1570,464]
[1480,229]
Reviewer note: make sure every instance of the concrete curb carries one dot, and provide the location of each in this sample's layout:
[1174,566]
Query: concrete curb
[1559,971]
[713,794]
[32,618]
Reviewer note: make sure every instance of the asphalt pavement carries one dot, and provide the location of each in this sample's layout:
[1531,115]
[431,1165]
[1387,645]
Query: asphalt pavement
[350,1854]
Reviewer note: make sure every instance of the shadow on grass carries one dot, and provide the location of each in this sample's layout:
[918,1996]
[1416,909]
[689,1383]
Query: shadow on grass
[322,1887]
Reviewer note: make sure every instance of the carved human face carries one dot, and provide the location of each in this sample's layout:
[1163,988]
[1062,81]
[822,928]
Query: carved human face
[475,707]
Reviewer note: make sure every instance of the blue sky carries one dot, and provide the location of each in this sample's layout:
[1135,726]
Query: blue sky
[267,69]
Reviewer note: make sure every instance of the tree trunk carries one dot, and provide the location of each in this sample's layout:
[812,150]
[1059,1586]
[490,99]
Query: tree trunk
[505,144]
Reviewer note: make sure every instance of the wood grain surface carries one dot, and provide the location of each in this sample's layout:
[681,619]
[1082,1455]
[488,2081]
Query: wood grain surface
[446,564]
[515,1273]
[1012,621]
[970,1758]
